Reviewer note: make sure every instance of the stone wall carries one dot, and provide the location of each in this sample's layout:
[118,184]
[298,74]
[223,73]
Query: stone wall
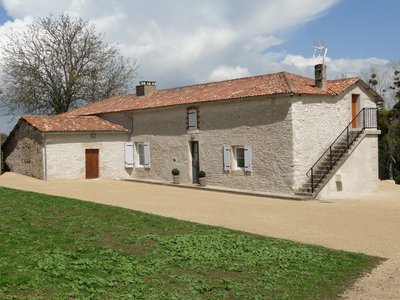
[65,155]
[317,122]
[358,176]
[23,151]
[263,123]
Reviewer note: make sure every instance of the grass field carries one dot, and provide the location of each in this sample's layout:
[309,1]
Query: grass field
[54,247]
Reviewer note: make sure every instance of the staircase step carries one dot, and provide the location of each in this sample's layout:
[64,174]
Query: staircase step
[327,164]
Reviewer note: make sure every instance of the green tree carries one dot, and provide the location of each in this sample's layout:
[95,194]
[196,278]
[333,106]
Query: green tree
[59,63]
[388,120]
[396,84]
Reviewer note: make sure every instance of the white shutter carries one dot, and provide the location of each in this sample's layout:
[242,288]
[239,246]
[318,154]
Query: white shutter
[128,148]
[247,158]
[146,148]
[227,158]
[192,119]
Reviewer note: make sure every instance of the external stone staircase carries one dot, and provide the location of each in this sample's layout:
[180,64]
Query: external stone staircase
[330,163]
[338,152]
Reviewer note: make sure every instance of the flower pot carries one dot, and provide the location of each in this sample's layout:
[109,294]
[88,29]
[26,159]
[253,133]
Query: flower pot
[202,181]
[176,179]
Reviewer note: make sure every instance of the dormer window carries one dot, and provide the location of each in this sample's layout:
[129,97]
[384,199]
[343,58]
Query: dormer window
[192,119]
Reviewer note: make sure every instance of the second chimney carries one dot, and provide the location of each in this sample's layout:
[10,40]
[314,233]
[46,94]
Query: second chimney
[145,87]
[320,76]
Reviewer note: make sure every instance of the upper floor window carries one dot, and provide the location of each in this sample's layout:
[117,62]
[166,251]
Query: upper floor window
[192,119]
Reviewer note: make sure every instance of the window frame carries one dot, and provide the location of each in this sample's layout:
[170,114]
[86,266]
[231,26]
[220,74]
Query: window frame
[196,126]
[140,155]
[235,164]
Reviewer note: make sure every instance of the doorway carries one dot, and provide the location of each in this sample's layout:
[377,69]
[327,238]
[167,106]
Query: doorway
[92,163]
[194,150]
[354,109]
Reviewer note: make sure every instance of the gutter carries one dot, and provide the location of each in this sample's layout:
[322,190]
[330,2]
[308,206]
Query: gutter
[82,132]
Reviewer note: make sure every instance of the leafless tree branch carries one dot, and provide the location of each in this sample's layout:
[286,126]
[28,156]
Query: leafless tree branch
[58,64]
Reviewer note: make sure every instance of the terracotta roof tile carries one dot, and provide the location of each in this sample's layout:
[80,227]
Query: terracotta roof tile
[71,123]
[270,84]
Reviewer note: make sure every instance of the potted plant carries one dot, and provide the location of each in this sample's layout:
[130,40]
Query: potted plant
[175,175]
[202,178]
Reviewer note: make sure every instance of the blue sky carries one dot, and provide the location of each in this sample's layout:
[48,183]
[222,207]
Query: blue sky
[184,42]
[353,29]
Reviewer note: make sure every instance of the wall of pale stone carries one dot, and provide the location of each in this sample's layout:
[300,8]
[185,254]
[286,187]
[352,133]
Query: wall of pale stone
[23,151]
[263,123]
[65,155]
[317,122]
[358,176]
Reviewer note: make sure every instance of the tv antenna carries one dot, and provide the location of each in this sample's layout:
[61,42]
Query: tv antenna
[320,49]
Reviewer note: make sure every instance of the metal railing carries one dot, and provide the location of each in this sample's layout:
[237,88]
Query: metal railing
[368,118]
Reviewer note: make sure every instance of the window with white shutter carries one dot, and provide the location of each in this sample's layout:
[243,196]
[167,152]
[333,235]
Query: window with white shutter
[146,146]
[143,155]
[128,154]
[227,158]
[192,119]
[241,158]
[247,158]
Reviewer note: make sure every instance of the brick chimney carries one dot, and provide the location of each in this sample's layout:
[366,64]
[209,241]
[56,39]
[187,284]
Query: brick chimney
[145,87]
[320,76]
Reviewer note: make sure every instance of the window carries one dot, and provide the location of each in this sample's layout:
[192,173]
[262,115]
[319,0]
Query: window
[192,119]
[143,155]
[239,157]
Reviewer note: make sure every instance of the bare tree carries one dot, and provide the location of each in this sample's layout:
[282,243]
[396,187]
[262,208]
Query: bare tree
[380,79]
[60,63]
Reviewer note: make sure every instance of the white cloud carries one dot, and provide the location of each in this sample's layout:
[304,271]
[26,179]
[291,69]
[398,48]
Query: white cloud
[23,8]
[189,39]
[181,42]
[302,62]
[335,67]
[225,72]
[263,42]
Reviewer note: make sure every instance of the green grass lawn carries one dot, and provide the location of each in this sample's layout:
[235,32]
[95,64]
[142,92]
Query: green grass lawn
[52,247]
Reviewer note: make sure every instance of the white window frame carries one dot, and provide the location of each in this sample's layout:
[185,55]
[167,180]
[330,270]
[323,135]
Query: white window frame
[247,158]
[235,158]
[145,163]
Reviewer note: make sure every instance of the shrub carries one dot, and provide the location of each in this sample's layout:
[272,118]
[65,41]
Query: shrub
[397,179]
[201,174]
[175,172]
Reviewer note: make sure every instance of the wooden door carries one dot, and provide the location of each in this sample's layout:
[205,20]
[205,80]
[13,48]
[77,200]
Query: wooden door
[354,100]
[92,163]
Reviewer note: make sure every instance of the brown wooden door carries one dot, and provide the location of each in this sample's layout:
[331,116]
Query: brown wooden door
[354,100]
[92,163]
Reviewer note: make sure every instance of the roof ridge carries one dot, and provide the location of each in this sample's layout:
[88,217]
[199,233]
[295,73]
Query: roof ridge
[288,83]
[224,81]
[343,79]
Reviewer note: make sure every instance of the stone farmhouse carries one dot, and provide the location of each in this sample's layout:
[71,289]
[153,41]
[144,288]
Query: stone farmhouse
[277,133]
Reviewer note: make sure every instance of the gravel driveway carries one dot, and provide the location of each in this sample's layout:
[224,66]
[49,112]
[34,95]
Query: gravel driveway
[369,225]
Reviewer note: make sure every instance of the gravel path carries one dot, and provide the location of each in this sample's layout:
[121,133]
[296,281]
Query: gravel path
[369,225]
